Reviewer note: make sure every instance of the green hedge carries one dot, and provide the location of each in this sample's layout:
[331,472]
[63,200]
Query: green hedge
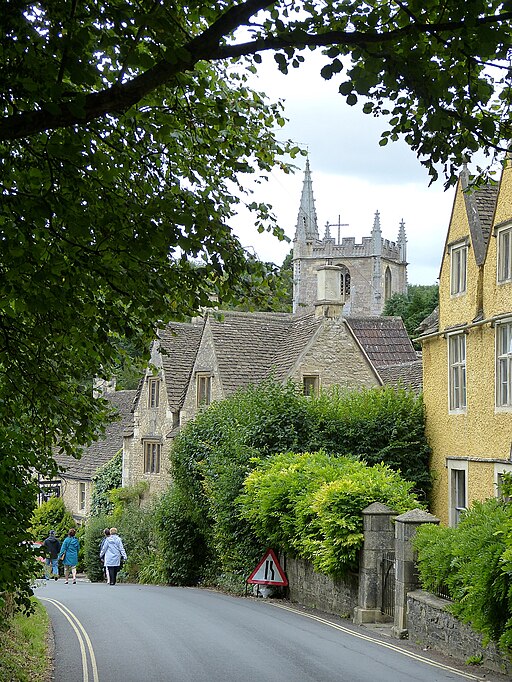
[216,451]
[310,504]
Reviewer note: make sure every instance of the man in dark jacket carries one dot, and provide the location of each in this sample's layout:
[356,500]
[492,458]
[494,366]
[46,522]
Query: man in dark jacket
[52,546]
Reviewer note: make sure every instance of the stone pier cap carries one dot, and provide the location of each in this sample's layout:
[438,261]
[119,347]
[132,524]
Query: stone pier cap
[416,516]
[378,508]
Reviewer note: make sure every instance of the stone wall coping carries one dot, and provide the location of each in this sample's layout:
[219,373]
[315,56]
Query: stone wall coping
[378,508]
[428,598]
[417,516]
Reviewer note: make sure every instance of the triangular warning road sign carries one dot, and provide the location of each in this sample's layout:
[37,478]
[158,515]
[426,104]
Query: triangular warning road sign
[268,571]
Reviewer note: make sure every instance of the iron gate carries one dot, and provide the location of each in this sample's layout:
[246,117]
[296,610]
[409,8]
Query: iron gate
[388,584]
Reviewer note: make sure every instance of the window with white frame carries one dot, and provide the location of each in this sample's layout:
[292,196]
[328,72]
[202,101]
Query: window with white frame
[152,453]
[459,503]
[204,389]
[81,496]
[504,237]
[153,392]
[458,267]
[457,371]
[504,364]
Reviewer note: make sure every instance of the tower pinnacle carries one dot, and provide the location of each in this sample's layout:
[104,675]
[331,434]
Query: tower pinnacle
[307,227]
[402,242]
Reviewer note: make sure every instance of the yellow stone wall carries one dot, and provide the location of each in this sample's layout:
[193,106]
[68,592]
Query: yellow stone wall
[481,435]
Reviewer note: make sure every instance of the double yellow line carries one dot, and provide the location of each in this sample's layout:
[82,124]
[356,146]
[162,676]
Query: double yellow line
[386,645]
[83,639]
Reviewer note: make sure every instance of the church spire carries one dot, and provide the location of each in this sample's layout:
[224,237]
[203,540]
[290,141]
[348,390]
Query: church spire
[307,228]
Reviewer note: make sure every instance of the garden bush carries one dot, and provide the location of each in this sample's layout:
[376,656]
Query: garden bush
[310,504]
[51,515]
[376,425]
[178,525]
[474,561]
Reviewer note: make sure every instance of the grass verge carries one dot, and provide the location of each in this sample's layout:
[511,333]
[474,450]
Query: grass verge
[24,655]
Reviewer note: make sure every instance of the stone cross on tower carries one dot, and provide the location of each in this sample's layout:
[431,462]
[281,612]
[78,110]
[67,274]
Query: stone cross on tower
[339,225]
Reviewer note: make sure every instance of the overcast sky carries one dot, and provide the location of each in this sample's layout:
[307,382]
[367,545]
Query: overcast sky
[352,175]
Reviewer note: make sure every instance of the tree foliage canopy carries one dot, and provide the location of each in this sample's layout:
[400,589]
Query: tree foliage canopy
[125,133]
[427,64]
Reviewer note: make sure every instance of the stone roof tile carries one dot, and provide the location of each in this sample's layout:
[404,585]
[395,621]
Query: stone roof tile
[246,345]
[486,198]
[384,339]
[407,375]
[101,451]
[430,325]
[178,343]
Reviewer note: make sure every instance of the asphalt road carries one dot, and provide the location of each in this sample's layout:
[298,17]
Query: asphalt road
[132,633]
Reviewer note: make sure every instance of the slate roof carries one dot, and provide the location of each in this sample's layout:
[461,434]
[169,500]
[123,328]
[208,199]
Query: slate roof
[384,339]
[480,206]
[301,332]
[486,198]
[179,342]
[103,450]
[430,325]
[405,375]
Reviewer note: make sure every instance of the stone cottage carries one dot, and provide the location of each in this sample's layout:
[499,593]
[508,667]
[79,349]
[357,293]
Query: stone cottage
[211,357]
[75,481]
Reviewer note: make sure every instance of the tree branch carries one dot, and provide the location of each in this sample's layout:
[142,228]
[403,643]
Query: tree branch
[207,46]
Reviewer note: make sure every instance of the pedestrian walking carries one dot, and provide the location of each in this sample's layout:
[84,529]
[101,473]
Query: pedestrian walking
[52,547]
[106,534]
[112,551]
[69,555]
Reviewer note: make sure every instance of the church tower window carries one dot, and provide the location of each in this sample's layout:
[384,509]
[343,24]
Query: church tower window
[387,284]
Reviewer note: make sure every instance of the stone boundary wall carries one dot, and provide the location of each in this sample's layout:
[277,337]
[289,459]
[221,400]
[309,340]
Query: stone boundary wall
[318,591]
[431,625]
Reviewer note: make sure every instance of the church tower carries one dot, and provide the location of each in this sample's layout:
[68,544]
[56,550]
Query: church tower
[369,272]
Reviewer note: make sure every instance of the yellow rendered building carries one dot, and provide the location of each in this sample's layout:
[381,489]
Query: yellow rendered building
[467,351]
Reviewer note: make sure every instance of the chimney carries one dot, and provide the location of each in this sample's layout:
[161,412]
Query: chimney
[101,387]
[328,303]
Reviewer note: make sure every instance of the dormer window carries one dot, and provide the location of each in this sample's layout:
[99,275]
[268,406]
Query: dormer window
[458,268]
[505,254]
[153,393]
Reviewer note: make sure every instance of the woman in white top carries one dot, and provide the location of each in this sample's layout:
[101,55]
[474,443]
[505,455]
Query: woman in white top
[111,552]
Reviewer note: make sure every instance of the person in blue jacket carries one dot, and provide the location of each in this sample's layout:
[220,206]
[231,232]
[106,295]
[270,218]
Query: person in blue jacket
[69,555]
[111,552]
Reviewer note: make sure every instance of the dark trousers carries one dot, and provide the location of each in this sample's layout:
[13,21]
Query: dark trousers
[112,574]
